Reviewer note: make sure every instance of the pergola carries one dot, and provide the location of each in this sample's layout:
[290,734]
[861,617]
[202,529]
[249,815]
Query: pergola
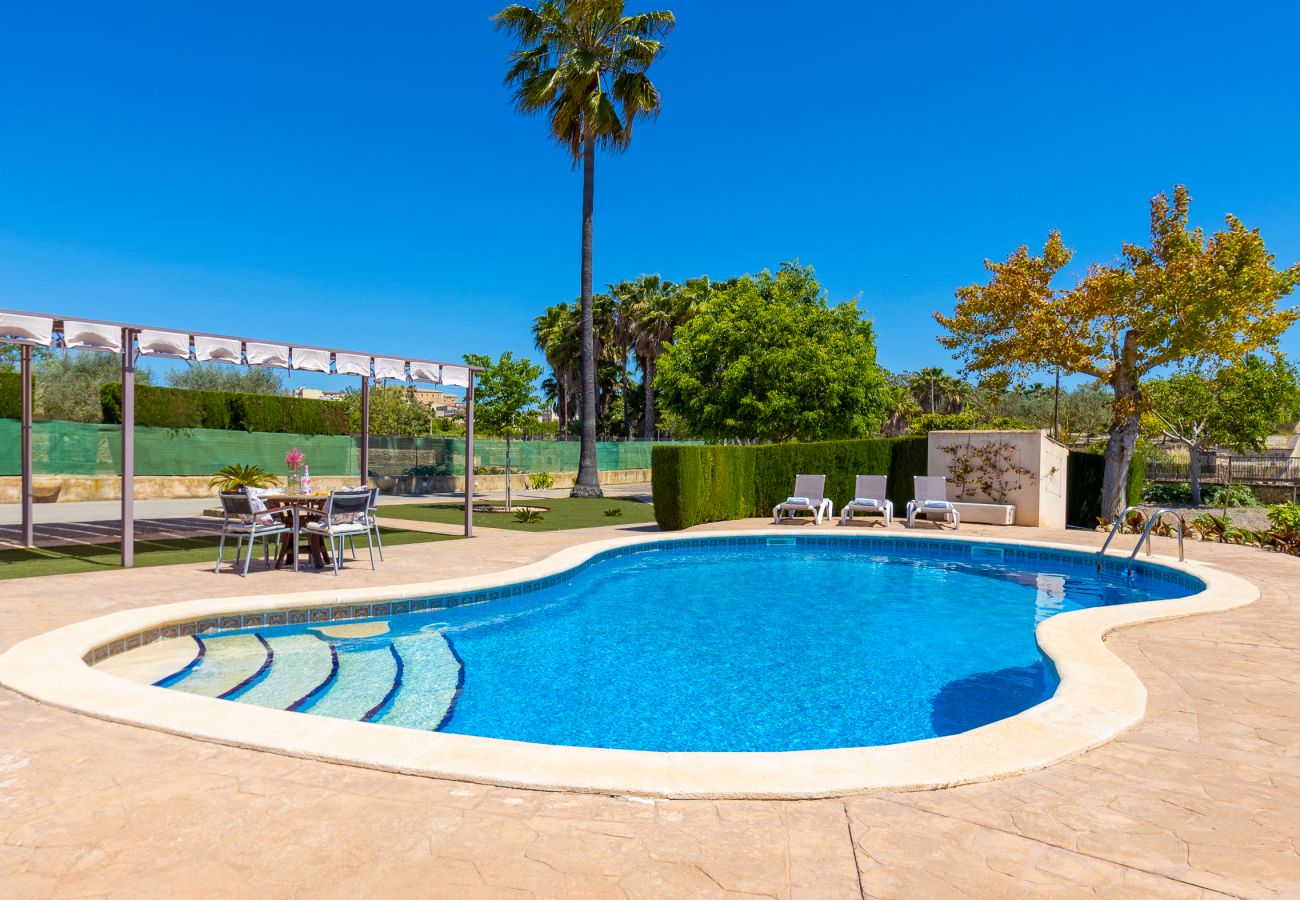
[29,329]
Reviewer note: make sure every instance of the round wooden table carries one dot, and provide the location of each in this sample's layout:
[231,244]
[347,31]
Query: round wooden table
[301,504]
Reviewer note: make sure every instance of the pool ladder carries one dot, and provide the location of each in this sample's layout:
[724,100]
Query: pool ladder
[1146,535]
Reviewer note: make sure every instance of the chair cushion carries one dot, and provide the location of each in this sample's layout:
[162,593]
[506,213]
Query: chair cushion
[348,528]
[798,501]
[936,504]
[867,502]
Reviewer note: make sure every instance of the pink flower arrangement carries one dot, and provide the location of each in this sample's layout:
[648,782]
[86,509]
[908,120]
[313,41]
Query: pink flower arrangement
[293,459]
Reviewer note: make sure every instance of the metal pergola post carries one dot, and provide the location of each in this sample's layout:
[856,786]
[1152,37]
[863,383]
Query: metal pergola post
[25,370]
[128,448]
[469,456]
[365,431]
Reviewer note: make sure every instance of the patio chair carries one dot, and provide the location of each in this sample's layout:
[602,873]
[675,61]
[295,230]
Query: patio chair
[931,500]
[240,520]
[344,517]
[809,496]
[868,499]
[372,516]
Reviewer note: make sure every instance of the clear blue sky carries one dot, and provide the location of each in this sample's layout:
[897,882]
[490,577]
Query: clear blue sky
[354,173]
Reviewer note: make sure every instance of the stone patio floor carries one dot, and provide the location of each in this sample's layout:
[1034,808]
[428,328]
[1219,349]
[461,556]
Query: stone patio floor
[1201,800]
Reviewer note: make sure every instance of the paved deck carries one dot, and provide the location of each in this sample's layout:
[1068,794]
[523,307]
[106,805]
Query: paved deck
[1202,800]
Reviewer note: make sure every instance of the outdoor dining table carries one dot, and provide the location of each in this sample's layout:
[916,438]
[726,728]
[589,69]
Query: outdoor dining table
[297,504]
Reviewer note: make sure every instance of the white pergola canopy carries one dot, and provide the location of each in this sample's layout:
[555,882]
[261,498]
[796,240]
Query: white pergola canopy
[44,330]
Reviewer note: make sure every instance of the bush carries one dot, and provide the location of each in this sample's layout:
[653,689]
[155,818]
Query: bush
[1285,517]
[1235,494]
[696,484]
[1160,494]
[222,410]
[1083,477]
[11,395]
[540,481]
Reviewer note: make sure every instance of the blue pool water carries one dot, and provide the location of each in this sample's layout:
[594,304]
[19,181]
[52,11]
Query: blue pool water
[787,647]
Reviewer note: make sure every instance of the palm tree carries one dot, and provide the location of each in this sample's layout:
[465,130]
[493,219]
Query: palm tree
[554,333]
[657,311]
[936,392]
[583,63]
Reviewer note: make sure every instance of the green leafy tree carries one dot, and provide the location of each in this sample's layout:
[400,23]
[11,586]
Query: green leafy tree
[1237,405]
[505,397]
[769,359]
[68,384]
[1186,297]
[583,63]
[220,377]
[394,412]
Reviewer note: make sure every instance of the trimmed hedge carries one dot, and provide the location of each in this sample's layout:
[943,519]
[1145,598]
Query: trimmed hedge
[1083,477]
[226,411]
[697,484]
[11,395]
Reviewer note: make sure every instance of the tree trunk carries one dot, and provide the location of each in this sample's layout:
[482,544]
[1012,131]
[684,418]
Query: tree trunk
[1124,429]
[1194,455]
[588,481]
[648,421]
[507,471]
[562,404]
[627,409]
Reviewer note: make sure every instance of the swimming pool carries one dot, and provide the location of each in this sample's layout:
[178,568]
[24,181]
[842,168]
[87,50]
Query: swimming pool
[736,644]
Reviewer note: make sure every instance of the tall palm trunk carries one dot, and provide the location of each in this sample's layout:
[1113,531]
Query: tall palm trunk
[648,424]
[588,482]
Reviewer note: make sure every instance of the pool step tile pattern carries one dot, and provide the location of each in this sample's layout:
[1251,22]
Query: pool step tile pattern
[365,678]
[302,663]
[431,680]
[227,663]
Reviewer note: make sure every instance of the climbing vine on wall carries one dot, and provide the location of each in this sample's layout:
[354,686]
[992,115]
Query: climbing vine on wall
[986,471]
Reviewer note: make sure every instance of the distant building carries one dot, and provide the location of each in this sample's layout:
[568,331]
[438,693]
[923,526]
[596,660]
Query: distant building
[307,393]
[444,405]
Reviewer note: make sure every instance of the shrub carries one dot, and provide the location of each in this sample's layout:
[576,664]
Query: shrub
[540,481]
[1285,517]
[1083,477]
[696,484]
[614,512]
[222,410]
[528,516]
[1235,494]
[11,395]
[1161,494]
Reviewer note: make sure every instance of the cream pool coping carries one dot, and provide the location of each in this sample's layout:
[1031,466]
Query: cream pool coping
[1099,698]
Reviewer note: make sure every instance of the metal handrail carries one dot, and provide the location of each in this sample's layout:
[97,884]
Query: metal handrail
[1114,530]
[1146,535]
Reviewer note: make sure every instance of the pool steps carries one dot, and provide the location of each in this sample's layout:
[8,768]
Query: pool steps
[410,681]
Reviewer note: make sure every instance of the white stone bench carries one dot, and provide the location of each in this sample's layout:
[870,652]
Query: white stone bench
[986,513]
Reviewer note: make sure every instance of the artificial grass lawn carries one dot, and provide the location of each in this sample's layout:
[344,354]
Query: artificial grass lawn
[562,513]
[24,563]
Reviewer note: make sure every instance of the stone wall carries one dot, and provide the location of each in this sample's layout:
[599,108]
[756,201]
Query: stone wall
[1039,497]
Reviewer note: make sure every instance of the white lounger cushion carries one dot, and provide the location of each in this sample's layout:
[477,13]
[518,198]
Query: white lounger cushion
[867,501]
[937,504]
[798,501]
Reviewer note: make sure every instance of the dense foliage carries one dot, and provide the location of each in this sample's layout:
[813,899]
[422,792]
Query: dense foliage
[69,384]
[767,358]
[232,379]
[1185,296]
[1083,477]
[1236,405]
[179,408]
[695,484]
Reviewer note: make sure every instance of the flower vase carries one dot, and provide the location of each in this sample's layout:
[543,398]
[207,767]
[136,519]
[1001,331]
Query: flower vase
[295,481]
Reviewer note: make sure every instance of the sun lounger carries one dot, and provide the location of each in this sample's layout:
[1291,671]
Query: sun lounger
[809,496]
[931,500]
[868,499]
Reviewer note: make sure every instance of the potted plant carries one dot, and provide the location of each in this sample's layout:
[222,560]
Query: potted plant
[294,461]
[237,477]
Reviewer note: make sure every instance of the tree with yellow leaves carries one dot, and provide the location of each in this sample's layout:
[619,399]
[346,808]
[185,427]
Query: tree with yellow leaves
[1185,298]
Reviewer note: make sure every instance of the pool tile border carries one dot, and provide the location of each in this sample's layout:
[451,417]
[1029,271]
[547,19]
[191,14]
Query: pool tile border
[957,549]
[1099,696]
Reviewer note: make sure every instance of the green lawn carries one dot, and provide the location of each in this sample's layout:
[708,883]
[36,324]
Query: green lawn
[102,557]
[563,513]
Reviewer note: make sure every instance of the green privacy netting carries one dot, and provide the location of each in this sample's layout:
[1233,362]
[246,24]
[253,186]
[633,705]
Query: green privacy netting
[77,448]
